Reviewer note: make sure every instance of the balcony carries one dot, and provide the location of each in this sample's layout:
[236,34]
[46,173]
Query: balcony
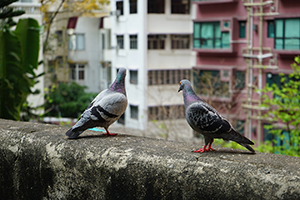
[29,8]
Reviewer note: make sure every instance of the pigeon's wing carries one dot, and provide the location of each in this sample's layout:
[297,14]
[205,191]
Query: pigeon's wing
[98,98]
[204,119]
[112,105]
[104,110]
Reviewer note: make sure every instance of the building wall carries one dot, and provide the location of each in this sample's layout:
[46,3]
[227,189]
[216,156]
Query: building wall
[234,57]
[143,60]
[132,59]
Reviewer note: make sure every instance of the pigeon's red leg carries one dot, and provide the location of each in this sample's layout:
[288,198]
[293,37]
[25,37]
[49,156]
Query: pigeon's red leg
[201,150]
[108,133]
[209,146]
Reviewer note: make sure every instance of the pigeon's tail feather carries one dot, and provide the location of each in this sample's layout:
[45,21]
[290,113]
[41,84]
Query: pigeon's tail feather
[237,137]
[71,133]
[248,147]
[240,139]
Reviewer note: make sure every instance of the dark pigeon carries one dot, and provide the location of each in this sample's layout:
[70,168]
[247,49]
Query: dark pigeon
[204,119]
[105,109]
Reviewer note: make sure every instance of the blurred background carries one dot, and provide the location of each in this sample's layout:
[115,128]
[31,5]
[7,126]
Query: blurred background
[240,56]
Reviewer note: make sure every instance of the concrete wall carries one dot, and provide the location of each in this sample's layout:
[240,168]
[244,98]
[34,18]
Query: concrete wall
[38,162]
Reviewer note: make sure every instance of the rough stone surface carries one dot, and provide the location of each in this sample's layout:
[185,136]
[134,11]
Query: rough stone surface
[38,162]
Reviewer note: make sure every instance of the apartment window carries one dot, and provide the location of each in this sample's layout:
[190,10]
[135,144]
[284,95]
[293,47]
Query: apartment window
[73,71]
[120,41]
[180,41]
[134,112]
[209,83]
[103,40]
[158,77]
[287,33]
[59,37]
[239,80]
[156,6]
[270,28]
[77,72]
[60,61]
[156,41]
[242,29]
[166,112]
[133,41]
[240,126]
[119,5]
[51,66]
[180,6]
[133,77]
[80,72]
[133,6]
[208,35]
[77,42]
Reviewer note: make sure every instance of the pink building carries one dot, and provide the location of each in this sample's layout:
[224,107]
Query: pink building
[241,45]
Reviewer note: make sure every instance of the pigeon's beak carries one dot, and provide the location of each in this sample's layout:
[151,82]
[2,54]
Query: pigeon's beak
[180,88]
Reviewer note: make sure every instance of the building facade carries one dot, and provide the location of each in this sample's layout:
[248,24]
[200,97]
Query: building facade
[241,45]
[153,40]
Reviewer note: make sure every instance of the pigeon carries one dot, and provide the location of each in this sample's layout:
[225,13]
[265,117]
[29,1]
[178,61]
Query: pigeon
[204,119]
[105,109]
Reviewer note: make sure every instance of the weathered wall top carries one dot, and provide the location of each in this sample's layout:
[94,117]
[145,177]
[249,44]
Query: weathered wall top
[38,162]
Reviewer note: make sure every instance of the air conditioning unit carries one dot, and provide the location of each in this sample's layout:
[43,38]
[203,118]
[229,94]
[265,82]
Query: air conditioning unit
[116,13]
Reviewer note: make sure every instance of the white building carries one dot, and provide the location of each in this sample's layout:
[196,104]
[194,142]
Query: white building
[32,10]
[153,40]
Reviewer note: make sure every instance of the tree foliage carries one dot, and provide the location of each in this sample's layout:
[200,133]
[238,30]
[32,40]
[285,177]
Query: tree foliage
[19,51]
[67,100]
[284,104]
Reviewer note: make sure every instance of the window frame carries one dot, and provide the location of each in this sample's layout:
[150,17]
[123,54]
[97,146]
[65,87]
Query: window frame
[120,6]
[203,41]
[284,38]
[155,6]
[177,7]
[156,42]
[168,77]
[133,76]
[180,41]
[74,41]
[133,6]
[120,41]
[134,112]
[133,41]
[242,31]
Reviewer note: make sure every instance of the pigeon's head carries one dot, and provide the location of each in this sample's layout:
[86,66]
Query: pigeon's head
[121,74]
[184,84]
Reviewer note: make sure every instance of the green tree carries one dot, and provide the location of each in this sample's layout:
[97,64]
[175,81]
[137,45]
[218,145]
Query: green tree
[19,51]
[284,103]
[67,100]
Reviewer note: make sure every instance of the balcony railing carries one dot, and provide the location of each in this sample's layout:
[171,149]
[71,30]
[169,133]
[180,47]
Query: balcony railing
[29,8]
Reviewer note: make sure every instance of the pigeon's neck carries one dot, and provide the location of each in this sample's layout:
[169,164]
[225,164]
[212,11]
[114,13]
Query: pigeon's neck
[118,86]
[189,96]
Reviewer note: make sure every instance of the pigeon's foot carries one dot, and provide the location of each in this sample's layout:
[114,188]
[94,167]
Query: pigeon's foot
[210,149]
[204,149]
[200,150]
[108,133]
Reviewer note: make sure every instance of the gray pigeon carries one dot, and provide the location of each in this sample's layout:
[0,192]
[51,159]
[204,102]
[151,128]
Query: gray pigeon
[105,109]
[206,120]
